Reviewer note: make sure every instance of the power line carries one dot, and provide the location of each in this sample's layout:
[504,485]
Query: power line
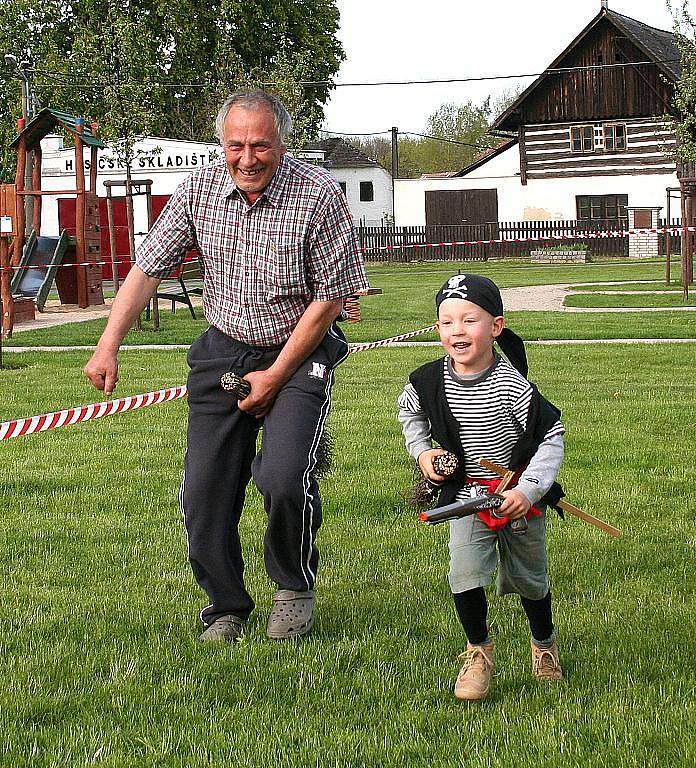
[411,133]
[61,78]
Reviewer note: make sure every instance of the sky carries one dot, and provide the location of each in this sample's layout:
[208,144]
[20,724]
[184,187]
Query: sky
[406,40]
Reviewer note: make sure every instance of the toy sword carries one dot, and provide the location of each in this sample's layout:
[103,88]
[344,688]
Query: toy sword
[564,505]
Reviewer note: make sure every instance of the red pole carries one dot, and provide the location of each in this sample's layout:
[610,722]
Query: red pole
[82,298]
[18,244]
[5,292]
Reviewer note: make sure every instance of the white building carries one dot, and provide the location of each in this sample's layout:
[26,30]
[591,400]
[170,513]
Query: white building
[167,162]
[585,141]
[366,184]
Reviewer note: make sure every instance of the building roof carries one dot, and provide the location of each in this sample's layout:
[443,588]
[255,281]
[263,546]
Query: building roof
[340,154]
[46,121]
[489,154]
[658,45]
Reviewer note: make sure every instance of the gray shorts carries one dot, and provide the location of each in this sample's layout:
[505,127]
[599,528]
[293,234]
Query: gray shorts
[476,550]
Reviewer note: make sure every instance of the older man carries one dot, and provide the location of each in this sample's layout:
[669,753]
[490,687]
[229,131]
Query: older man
[280,255]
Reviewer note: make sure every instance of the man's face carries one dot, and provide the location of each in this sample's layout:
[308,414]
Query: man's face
[252,149]
[467,332]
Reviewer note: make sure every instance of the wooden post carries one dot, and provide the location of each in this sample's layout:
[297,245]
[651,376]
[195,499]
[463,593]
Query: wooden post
[155,302]
[668,237]
[36,186]
[93,163]
[18,244]
[5,292]
[523,155]
[690,192]
[9,213]
[82,298]
[686,253]
[131,228]
[112,235]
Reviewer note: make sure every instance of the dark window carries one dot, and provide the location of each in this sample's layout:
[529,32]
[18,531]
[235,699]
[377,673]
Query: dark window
[614,137]
[619,56]
[597,211]
[582,138]
[367,193]
[600,58]
[342,185]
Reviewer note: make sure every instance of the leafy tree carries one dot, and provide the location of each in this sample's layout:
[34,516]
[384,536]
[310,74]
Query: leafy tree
[685,92]
[164,66]
[456,136]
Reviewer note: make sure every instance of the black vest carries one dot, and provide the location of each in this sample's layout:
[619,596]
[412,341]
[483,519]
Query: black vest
[429,383]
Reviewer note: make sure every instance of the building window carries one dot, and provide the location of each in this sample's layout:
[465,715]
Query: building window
[342,185]
[597,211]
[597,138]
[582,138]
[614,137]
[367,193]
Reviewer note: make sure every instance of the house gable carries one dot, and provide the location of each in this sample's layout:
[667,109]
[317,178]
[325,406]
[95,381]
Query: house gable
[609,93]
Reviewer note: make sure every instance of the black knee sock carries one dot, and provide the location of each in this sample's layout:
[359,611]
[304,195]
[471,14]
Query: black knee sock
[472,609]
[539,615]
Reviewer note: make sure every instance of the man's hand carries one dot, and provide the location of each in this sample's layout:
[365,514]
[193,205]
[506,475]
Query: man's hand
[264,389]
[102,370]
[425,462]
[516,505]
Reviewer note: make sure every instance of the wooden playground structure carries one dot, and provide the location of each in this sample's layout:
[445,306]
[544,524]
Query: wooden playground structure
[35,258]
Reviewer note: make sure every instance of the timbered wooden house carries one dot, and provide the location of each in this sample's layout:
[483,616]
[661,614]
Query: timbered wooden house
[588,140]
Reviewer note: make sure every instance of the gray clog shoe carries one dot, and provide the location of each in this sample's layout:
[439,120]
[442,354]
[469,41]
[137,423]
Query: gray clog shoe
[292,614]
[227,628]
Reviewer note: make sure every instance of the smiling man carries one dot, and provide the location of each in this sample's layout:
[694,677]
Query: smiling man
[280,256]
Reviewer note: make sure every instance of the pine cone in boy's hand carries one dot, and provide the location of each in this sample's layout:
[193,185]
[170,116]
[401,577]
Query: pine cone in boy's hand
[425,491]
[445,464]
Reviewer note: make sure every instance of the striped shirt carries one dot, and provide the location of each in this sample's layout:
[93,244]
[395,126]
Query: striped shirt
[491,410]
[263,263]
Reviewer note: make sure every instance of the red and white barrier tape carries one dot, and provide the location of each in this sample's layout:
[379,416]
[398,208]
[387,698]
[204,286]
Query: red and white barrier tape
[532,239]
[21,427]
[78,414]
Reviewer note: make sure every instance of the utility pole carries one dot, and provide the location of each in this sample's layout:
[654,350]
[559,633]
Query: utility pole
[394,161]
[395,153]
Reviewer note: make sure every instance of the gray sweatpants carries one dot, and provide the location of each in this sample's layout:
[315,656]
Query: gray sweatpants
[221,458]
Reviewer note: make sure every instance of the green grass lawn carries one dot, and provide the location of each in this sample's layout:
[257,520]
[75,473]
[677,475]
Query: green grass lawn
[408,303]
[99,632]
[665,300]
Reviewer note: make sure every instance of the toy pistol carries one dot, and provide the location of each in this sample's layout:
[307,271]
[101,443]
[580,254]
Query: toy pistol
[479,503]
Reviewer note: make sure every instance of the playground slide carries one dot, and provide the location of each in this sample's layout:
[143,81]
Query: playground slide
[37,269]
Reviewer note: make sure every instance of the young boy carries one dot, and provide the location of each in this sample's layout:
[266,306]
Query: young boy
[475,403]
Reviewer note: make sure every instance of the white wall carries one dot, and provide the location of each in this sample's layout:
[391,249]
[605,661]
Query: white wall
[369,213]
[540,199]
[168,162]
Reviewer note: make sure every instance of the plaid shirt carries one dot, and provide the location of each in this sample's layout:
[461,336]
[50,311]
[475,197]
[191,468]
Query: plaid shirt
[263,263]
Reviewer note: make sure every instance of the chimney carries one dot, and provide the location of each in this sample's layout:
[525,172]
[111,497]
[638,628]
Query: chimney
[605,5]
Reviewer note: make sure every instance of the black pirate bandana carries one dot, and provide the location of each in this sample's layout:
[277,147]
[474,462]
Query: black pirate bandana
[485,293]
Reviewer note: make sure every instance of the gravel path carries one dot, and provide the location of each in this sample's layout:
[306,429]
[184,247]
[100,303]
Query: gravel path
[549,298]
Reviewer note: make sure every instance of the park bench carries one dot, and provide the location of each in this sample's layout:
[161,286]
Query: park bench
[189,282]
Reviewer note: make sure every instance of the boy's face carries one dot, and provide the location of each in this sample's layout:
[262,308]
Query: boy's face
[467,332]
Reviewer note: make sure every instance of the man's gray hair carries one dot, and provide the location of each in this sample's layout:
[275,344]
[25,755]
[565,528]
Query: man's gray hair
[256,99]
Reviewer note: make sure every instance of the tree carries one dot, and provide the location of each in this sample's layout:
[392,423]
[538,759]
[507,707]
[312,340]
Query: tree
[178,58]
[456,136]
[685,91]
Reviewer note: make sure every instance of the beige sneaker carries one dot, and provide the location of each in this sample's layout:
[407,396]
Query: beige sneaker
[474,678]
[546,664]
